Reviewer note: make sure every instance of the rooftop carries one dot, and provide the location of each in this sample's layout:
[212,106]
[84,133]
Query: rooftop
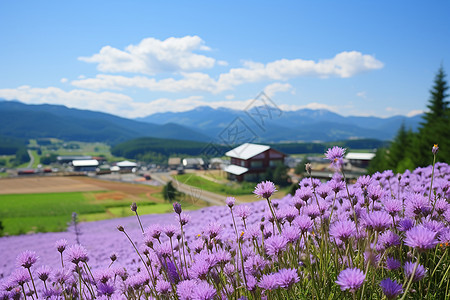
[235,170]
[361,156]
[247,150]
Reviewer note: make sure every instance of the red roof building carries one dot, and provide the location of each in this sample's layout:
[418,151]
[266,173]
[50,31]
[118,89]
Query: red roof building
[250,161]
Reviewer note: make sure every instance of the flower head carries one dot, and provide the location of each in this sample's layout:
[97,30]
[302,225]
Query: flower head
[43,272]
[275,244]
[420,273]
[421,238]
[27,258]
[391,288]
[265,189]
[343,230]
[177,208]
[61,245]
[77,254]
[350,279]
[336,156]
[133,206]
[268,282]
[230,201]
[392,263]
[105,289]
[287,277]
[435,149]
[204,291]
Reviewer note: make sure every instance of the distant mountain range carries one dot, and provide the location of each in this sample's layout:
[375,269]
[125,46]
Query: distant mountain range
[203,124]
[24,121]
[300,125]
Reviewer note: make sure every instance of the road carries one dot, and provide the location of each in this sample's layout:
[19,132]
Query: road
[30,164]
[194,193]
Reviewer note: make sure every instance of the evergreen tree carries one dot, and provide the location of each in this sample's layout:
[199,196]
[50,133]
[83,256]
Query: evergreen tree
[379,162]
[399,153]
[169,192]
[435,126]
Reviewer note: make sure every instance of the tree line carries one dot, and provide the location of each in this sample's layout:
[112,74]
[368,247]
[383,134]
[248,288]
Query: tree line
[409,149]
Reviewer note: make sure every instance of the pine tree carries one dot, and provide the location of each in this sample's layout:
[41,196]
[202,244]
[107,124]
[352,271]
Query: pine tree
[435,126]
[437,106]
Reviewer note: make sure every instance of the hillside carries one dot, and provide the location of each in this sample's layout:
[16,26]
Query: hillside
[300,125]
[24,121]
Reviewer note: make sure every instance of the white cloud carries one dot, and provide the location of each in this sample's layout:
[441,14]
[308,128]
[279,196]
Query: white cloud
[105,101]
[229,97]
[413,113]
[64,80]
[152,56]
[277,87]
[345,64]
[190,82]
[312,105]
[362,94]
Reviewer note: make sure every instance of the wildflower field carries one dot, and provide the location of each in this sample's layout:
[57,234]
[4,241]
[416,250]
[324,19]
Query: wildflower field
[385,237]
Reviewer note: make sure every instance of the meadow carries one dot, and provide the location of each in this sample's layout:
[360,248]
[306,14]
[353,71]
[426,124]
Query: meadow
[32,212]
[385,237]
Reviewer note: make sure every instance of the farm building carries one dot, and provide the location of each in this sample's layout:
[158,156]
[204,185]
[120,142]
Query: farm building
[126,165]
[360,160]
[193,163]
[86,165]
[64,159]
[174,163]
[249,161]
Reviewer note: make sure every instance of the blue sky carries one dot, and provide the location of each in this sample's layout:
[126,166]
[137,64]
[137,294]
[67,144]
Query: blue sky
[136,58]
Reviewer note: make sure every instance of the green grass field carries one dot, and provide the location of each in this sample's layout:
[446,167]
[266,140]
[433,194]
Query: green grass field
[232,188]
[26,213]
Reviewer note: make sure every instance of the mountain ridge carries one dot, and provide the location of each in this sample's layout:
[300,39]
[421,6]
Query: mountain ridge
[48,120]
[300,125]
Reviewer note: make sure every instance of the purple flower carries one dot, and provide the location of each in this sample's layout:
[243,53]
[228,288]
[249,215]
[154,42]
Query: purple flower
[265,189]
[162,287]
[378,220]
[392,206]
[391,289]
[336,156]
[230,201]
[291,233]
[343,230]
[105,289]
[186,288]
[61,245]
[350,279]
[268,282]
[304,193]
[389,239]
[304,223]
[405,224]
[336,185]
[184,218]
[177,208]
[20,277]
[77,254]
[154,231]
[204,291]
[417,205]
[43,272]
[170,230]
[392,263]
[275,244]
[421,238]
[287,277]
[435,149]
[26,259]
[243,211]
[420,273]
